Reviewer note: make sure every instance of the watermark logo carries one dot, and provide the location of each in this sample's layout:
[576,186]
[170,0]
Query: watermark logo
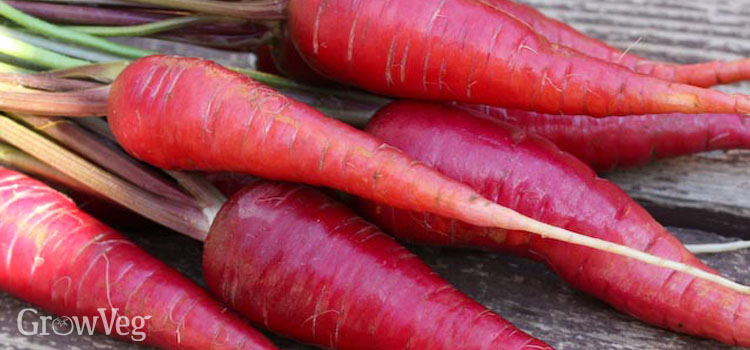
[107,320]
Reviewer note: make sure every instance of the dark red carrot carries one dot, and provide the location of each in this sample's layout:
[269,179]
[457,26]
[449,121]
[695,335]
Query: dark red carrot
[191,114]
[288,61]
[607,143]
[469,51]
[59,258]
[701,74]
[528,173]
[264,60]
[301,264]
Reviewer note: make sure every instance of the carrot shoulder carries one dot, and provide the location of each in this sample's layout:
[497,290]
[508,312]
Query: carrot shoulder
[531,175]
[469,51]
[59,258]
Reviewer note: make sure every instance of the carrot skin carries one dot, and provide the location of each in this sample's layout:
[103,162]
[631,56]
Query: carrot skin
[190,114]
[63,260]
[703,74]
[608,143]
[531,175]
[468,51]
[301,264]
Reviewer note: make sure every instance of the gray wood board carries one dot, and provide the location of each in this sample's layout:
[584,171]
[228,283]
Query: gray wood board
[524,292]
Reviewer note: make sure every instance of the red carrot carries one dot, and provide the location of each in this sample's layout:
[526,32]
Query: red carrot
[468,51]
[531,175]
[63,260]
[190,114]
[301,264]
[607,143]
[701,74]
[287,60]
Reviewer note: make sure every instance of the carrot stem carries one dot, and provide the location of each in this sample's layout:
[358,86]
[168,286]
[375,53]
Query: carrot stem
[113,159]
[257,9]
[81,103]
[73,51]
[117,3]
[105,72]
[143,29]
[209,197]
[9,68]
[53,31]
[10,45]
[186,219]
[17,159]
[98,126]
[47,83]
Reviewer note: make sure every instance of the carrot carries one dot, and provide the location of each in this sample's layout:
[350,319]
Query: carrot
[287,60]
[468,51]
[704,74]
[301,264]
[529,174]
[264,60]
[191,114]
[63,260]
[607,143]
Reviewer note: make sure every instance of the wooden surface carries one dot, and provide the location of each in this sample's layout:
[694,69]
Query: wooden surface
[709,191]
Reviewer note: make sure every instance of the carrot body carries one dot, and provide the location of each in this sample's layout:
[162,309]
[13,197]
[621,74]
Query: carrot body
[63,260]
[701,74]
[469,51]
[607,143]
[190,114]
[531,175]
[301,264]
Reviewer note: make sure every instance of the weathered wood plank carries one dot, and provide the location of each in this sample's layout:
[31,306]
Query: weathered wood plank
[524,292]
[710,191]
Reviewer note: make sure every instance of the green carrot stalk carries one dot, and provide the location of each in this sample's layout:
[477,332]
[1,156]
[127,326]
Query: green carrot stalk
[143,29]
[187,219]
[87,144]
[53,31]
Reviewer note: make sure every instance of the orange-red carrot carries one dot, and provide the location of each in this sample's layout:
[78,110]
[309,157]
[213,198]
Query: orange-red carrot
[301,264]
[190,114]
[700,74]
[607,143]
[469,51]
[529,174]
[59,258]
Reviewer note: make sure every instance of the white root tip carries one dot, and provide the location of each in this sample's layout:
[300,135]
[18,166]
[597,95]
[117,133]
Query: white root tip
[509,219]
[717,247]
